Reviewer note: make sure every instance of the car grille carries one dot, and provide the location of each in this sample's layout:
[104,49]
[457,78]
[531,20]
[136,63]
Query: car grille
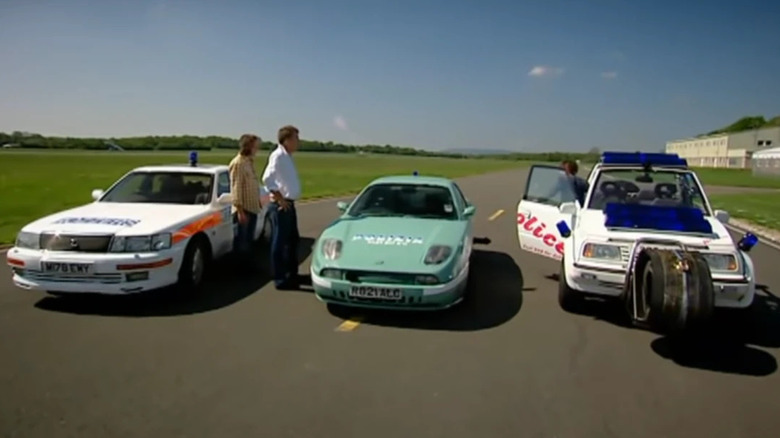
[625,253]
[379,277]
[75,243]
[70,278]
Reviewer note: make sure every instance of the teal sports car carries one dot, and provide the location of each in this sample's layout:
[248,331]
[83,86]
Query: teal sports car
[403,242]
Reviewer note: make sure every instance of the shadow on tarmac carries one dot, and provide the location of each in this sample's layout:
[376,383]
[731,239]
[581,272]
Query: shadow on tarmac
[497,298]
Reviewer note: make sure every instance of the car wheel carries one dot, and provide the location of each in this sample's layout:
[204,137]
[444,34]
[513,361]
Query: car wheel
[569,299]
[194,265]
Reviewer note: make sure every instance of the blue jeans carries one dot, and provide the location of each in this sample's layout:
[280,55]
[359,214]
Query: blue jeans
[284,243]
[244,237]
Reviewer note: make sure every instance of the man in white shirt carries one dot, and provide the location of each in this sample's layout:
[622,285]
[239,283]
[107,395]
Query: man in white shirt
[281,180]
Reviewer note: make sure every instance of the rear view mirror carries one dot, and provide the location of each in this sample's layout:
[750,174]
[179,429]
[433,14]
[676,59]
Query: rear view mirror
[723,216]
[342,206]
[96,194]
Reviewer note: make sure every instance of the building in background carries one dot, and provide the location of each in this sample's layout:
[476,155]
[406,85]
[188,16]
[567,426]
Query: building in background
[725,150]
[766,161]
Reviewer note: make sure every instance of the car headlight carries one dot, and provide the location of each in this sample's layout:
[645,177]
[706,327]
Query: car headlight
[437,254]
[28,240]
[155,242]
[600,251]
[722,262]
[331,249]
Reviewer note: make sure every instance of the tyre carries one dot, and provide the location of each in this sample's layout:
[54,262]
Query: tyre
[569,299]
[669,303]
[194,265]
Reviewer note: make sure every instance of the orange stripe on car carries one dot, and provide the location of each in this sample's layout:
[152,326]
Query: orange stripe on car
[197,226]
[15,262]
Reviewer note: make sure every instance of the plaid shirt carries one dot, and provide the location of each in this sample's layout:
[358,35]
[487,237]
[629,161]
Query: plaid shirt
[244,185]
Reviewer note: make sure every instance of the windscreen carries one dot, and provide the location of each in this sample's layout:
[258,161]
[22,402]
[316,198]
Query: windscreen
[162,188]
[654,188]
[410,200]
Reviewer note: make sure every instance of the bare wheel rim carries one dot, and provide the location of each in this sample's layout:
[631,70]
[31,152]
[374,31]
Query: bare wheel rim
[197,266]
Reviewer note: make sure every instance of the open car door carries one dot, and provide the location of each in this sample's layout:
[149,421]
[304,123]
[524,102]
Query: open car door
[538,211]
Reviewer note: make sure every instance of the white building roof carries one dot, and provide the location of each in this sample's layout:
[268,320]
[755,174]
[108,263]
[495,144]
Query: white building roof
[767,153]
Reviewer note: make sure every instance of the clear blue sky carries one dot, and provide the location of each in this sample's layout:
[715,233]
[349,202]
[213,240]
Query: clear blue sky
[422,73]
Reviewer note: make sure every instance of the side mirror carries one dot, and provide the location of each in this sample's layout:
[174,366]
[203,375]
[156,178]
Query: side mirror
[225,199]
[723,216]
[568,208]
[342,206]
[469,211]
[96,194]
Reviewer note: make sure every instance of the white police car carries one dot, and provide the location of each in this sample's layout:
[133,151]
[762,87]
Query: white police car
[652,199]
[156,226]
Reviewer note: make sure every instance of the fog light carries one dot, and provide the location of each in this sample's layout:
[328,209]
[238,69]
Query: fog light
[426,279]
[137,276]
[331,273]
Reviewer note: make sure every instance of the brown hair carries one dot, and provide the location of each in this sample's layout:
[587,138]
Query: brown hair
[570,166]
[286,132]
[245,143]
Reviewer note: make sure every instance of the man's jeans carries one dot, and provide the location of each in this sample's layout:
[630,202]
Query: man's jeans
[284,244]
[243,240]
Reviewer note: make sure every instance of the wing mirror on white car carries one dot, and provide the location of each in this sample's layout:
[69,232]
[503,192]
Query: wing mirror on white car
[96,194]
[225,199]
[568,208]
[723,216]
[342,206]
[469,211]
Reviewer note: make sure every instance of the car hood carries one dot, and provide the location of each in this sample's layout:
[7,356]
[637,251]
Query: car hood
[116,218]
[591,224]
[391,244]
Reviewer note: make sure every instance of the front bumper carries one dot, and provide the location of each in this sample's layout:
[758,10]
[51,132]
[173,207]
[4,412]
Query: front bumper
[737,293]
[111,274]
[413,297]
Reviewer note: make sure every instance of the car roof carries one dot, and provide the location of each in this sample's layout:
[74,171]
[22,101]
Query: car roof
[413,179]
[183,168]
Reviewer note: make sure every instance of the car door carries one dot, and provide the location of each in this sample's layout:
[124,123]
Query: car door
[226,229]
[468,238]
[538,211]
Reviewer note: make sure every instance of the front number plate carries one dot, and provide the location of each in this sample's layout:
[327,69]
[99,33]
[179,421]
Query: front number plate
[67,268]
[375,293]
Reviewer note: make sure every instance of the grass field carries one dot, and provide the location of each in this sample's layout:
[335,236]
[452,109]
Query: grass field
[736,178]
[759,208]
[37,183]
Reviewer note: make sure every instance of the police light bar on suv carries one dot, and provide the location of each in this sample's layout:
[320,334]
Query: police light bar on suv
[643,159]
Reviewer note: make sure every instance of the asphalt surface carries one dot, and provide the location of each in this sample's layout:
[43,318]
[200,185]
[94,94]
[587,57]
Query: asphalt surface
[243,359]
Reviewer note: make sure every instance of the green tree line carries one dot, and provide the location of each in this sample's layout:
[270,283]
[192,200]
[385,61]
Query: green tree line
[190,142]
[746,124]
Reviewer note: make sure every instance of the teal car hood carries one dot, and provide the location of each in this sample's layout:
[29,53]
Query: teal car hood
[391,244]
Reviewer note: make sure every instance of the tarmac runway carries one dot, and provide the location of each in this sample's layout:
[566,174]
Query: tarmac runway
[244,360]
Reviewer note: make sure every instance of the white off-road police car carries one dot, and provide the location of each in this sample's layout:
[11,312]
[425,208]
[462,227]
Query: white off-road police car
[632,199]
[154,227]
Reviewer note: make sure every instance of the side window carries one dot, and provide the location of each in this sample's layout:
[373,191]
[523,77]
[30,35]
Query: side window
[223,183]
[548,185]
[459,193]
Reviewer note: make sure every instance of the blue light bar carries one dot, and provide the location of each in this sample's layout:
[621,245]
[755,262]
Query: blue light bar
[563,228]
[642,159]
[193,158]
[650,217]
[415,173]
[748,241]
